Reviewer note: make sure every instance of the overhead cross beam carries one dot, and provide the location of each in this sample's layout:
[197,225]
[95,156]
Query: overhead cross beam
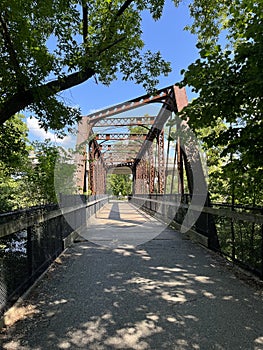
[120,137]
[127,121]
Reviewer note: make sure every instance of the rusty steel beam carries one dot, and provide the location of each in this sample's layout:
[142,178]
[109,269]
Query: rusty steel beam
[126,121]
[132,147]
[97,169]
[120,137]
[152,170]
[100,176]
[130,151]
[91,174]
[162,117]
[117,159]
[120,165]
[180,168]
[118,155]
[161,165]
[145,176]
[81,154]
[175,101]
[129,105]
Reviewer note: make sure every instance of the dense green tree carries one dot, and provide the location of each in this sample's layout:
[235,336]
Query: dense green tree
[229,81]
[13,162]
[13,143]
[31,174]
[119,184]
[51,173]
[49,46]
[40,175]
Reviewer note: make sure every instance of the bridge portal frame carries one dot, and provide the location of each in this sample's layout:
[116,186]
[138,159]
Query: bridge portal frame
[149,167]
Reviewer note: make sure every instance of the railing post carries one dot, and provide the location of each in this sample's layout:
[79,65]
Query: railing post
[233,237]
[29,252]
[261,248]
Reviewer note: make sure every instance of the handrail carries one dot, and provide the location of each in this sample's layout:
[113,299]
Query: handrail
[235,233]
[256,218]
[39,216]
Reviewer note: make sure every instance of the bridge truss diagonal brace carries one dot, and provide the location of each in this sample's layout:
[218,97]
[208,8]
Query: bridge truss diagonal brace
[175,101]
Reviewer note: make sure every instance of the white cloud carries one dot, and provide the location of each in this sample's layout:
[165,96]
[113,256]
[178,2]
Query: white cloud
[37,133]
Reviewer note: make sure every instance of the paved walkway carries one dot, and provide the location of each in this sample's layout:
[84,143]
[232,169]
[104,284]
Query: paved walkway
[166,293]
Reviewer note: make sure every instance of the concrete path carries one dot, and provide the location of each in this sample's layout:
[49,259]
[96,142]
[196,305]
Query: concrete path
[121,224]
[167,293]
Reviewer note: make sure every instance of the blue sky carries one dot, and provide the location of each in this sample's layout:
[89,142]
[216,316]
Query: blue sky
[167,35]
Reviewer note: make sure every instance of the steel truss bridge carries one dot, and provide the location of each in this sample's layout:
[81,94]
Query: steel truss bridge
[163,157]
[160,152]
[156,146]
[142,145]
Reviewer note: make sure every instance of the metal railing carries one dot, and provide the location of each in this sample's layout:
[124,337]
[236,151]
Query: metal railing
[31,239]
[235,231]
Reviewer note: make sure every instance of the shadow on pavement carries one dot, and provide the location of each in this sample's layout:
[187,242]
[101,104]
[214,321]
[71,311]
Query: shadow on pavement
[165,294]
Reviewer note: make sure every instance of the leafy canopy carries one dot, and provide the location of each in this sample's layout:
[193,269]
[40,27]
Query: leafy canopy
[31,173]
[49,46]
[228,77]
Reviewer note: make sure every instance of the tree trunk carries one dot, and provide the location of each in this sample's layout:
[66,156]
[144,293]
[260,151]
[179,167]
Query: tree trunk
[22,99]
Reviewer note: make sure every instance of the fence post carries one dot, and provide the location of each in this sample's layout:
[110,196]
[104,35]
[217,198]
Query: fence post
[29,252]
[261,248]
[233,237]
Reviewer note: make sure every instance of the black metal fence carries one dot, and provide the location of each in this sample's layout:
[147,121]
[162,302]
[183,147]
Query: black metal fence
[31,239]
[240,234]
[234,231]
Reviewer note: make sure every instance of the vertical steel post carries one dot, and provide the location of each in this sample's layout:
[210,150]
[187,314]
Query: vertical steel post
[142,163]
[29,252]
[145,175]
[137,179]
[161,168]
[92,167]
[156,170]
[189,173]
[147,171]
[180,168]
[261,249]
[84,130]
[141,176]
[152,170]
[173,173]
[167,161]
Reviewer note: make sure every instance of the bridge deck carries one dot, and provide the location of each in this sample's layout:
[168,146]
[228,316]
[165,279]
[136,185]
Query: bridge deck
[166,293]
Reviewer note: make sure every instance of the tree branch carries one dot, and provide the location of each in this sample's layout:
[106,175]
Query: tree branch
[22,99]
[26,97]
[112,44]
[121,10]
[125,5]
[85,21]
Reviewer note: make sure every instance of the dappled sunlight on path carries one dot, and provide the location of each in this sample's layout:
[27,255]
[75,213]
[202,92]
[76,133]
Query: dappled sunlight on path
[165,294]
[121,224]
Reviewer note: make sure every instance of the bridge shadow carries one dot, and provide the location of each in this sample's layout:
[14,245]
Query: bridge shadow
[115,215]
[165,294]
[115,212]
